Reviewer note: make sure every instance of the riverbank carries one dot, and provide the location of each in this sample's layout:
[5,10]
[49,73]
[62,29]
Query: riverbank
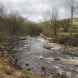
[8,70]
[32,56]
[57,45]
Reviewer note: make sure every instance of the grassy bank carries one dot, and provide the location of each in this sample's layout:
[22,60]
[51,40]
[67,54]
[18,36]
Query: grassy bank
[7,70]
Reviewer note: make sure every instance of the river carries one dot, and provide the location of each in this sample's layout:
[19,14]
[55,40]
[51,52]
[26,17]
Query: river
[32,54]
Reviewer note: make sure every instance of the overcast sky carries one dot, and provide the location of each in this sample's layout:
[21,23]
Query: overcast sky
[34,9]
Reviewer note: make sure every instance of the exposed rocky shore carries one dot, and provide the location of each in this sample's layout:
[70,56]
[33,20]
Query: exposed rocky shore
[33,53]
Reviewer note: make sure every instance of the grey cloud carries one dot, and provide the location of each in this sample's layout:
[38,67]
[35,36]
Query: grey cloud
[33,9]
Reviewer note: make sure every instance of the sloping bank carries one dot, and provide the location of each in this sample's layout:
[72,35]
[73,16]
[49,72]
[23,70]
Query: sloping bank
[7,70]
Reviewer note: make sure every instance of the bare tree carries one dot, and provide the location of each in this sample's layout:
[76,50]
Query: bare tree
[54,23]
[52,15]
[2,10]
[72,7]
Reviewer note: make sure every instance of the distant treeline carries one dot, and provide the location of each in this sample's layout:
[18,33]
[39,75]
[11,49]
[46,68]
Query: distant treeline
[12,25]
[15,25]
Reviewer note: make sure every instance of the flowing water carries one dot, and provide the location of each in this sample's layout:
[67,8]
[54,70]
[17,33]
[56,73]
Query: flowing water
[32,54]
